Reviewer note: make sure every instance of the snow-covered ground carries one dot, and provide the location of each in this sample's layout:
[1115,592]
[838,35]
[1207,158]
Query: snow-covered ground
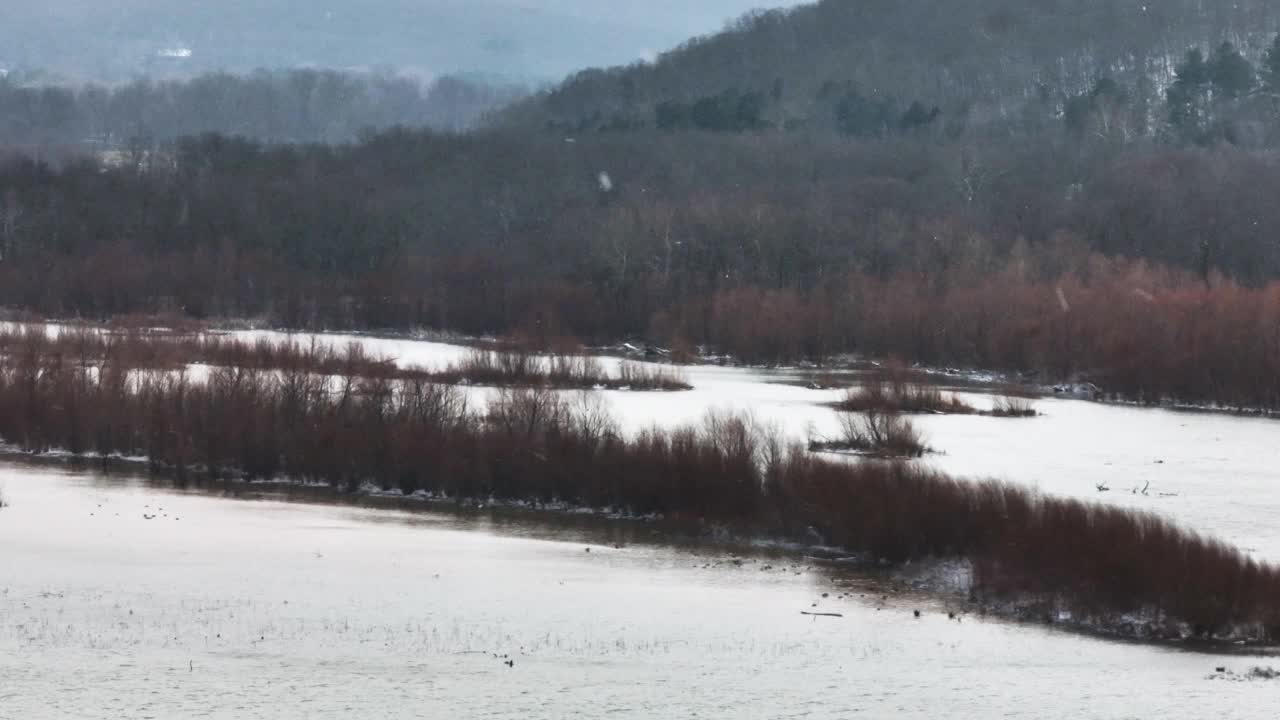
[1215,473]
[221,607]
[231,608]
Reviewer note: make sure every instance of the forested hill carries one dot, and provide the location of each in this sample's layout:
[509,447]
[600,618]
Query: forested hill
[979,62]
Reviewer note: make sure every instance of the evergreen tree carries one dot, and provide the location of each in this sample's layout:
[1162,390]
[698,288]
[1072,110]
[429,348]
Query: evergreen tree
[749,112]
[1194,71]
[917,116]
[1230,73]
[671,115]
[715,112]
[862,116]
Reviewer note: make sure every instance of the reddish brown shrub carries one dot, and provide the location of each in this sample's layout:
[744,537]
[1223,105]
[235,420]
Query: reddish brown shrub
[531,445]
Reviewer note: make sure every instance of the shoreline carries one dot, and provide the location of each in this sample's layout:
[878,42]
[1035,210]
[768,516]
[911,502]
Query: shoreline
[568,523]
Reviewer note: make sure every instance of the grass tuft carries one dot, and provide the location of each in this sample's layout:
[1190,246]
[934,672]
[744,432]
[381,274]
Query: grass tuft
[1009,406]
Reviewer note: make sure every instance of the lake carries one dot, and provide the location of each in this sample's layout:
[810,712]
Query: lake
[223,607]
[253,606]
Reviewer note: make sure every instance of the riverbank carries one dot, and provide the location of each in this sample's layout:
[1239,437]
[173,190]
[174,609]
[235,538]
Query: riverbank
[411,436]
[946,582]
[278,607]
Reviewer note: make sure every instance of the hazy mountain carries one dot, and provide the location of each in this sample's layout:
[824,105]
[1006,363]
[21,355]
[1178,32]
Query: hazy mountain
[518,39]
[291,106]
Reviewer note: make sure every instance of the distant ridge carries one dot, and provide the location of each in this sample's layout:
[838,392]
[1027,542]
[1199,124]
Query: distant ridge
[518,40]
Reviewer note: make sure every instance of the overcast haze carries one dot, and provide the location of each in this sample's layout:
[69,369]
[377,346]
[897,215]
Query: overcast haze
[518,39]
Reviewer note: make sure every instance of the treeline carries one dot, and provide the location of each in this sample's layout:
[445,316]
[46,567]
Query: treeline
[772,248]
[296,106]
[735,111]
[1139,332]
[537,447]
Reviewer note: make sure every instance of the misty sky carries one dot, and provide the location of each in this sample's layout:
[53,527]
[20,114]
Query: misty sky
[526,39]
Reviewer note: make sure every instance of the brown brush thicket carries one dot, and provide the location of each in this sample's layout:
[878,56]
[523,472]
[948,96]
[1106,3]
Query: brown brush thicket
[1137,331]
[899,390]
[172,351]
[875,434]
[131,346]
[648,376]
[519,368]
[536,446]
[1013,406]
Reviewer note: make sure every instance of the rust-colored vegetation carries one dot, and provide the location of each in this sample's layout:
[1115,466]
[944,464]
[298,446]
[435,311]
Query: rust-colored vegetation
[514,367]
[518,368]
[895,396]
[884,435]
[410,434]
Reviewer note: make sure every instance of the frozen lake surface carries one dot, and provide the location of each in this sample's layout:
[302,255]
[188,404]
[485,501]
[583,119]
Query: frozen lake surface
[223,607]
[1216,473]
[260,609]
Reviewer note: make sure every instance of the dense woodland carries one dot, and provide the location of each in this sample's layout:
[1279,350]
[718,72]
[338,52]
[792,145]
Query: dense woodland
[298,106]
[1113,220]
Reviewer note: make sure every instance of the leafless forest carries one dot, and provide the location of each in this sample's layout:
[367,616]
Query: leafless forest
[1113,223]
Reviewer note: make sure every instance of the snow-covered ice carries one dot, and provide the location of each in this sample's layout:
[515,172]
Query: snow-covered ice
[229,608]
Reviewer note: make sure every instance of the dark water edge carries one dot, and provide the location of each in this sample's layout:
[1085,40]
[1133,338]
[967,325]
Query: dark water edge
[701,544]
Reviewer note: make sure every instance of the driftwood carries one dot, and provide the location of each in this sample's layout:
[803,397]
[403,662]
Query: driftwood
[814,614]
